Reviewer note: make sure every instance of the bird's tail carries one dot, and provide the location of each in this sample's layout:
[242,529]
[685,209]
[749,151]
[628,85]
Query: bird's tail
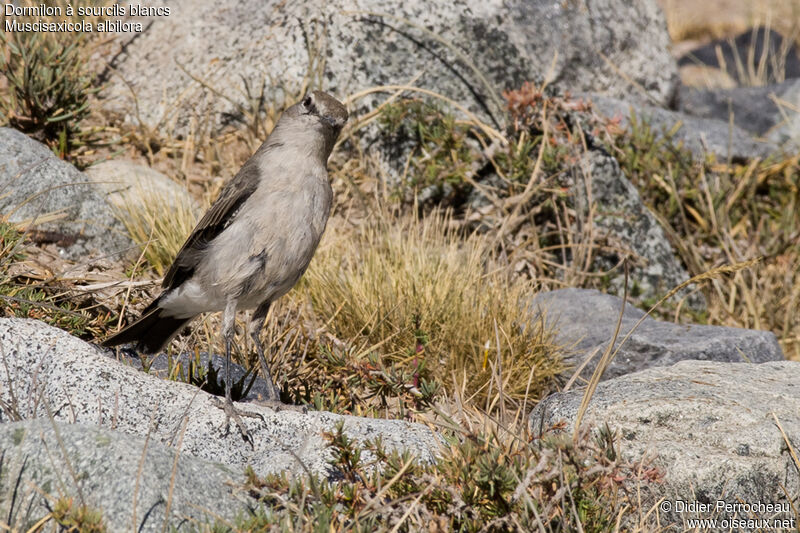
[150,333]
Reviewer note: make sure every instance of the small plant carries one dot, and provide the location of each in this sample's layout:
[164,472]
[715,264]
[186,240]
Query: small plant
[49,85]
[448,151]
[11,244]
[345,381]
[483,482]
[74,518]
[441,153]
[346,454]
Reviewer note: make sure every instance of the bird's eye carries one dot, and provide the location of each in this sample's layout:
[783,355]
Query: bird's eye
[309,105]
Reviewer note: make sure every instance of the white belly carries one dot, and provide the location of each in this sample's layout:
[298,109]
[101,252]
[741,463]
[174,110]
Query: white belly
[253,260]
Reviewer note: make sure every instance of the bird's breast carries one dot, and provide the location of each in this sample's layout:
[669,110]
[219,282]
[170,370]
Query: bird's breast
[262,255]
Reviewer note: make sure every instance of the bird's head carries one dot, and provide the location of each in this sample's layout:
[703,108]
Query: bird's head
[325,108]
[317,111]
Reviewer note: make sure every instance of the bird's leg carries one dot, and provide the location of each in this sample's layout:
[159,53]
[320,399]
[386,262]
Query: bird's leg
[255,325]
[228,330]
[274,398]
[228,384]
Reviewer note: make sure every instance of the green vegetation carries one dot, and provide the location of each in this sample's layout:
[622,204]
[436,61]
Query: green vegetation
[76,518]
[490,480]
[447,151]
[412,314]
[442,153]
[24,297]
[719,212]
[49,85]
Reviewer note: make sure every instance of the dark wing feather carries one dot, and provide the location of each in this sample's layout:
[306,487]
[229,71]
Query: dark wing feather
[216,219]
[150,333]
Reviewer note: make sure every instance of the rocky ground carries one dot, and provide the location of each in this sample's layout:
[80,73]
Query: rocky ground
[651,225]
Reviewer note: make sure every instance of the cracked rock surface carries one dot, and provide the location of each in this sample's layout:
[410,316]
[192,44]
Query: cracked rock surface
[713,429]
[353,45]
[584,320]
[46,369]
[137,485]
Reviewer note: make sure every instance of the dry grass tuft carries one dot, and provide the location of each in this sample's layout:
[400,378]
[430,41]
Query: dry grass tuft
[716,19]
[157,222]
[413,288]
[719,213]
[691,24]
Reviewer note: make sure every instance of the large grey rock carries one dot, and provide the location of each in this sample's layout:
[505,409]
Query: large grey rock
[709,427]
[624,222]
[44,368]
[126,182]
[771,111]
[700,135]
[130,480]
[35,184]
[348,48]
[585,320]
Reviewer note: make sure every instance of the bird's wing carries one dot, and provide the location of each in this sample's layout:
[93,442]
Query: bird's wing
[216,219]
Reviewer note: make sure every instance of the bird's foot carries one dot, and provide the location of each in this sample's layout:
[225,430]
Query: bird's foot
[231,413]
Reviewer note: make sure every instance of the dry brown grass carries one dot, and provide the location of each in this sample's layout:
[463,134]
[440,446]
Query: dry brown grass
[414,289]
[724,213]
[766,297]
[716,19]
[692,24]
[158,223]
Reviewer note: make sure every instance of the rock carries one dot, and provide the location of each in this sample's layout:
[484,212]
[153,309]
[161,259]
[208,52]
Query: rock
[49,369]
[45,460]
[625,222]
[348,46]
[37,186]
[125,182]
[585,321]
[771,111]
[743,55]
[708,426]
[700,135]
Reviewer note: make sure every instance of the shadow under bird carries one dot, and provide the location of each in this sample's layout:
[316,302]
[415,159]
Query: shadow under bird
[255,241]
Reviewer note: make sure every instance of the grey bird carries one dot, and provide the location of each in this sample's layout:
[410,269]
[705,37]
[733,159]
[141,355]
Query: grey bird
[255,241]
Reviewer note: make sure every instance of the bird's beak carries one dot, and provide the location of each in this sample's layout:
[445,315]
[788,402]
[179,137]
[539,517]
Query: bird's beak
[331,122]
